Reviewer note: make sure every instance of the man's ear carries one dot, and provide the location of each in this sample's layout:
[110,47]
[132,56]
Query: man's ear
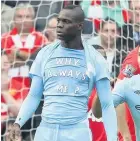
[80,26]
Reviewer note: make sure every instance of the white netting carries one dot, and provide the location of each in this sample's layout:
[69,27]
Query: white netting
[94,11]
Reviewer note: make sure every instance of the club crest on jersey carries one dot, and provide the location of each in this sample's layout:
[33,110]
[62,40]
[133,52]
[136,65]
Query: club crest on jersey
[129,70]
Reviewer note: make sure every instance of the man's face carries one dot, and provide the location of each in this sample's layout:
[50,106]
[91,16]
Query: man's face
[52,24]
[23,19]
[50,31]
[109,33]
[67,27]
[135,12]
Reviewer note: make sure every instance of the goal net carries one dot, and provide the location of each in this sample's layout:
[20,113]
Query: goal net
[126,35]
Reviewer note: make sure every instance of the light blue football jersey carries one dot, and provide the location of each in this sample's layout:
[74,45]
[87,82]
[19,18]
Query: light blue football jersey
[66,78]
[128,90]
[66,85]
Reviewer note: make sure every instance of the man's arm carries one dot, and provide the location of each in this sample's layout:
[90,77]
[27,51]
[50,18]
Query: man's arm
[119,99]
[122,122]
[31,102]
[17,57]
[121,115]
[13,105]
[23,55]
[108,111]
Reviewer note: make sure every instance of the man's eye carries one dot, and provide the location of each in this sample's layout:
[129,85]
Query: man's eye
[66,21]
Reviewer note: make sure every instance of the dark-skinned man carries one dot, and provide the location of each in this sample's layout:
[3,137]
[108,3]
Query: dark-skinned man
[65,72]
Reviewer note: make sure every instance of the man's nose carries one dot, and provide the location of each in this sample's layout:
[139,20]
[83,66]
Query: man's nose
[60,25]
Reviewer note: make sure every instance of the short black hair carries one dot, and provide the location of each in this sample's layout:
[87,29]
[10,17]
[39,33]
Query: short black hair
[81,16]
[107,20]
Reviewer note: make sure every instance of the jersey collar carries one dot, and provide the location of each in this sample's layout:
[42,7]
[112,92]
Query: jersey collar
[15,31]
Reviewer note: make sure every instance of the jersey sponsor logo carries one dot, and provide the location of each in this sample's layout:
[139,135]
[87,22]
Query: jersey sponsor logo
[137,107]
[129,70]
[137,92]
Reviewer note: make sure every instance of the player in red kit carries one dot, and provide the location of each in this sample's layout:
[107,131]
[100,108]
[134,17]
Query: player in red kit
[130,67]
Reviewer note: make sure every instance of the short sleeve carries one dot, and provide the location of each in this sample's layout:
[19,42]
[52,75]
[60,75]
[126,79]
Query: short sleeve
[119,92]
[36,68]
[127,70]
[101,68]
[129,65]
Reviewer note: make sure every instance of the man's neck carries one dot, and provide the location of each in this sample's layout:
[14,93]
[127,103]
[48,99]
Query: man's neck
[107,46]
[23,32]
[23,35]
[76,43]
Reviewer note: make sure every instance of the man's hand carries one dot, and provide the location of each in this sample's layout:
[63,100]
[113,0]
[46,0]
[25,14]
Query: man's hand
[17,57]
[15,132]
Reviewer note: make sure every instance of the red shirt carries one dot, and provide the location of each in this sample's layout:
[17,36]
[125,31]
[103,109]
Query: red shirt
[33,41]
[96,125]
[129,68]
[130,65]
[18,91]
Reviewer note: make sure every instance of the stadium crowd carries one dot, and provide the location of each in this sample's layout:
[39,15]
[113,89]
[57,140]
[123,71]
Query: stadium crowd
[112,27]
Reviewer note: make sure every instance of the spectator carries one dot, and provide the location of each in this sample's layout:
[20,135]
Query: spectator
[13,93]
[50,30]
[107,38]
[135,18]
[22,41]
[131,31]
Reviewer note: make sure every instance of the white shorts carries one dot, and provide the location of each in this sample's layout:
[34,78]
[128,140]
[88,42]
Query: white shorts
[56,132]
